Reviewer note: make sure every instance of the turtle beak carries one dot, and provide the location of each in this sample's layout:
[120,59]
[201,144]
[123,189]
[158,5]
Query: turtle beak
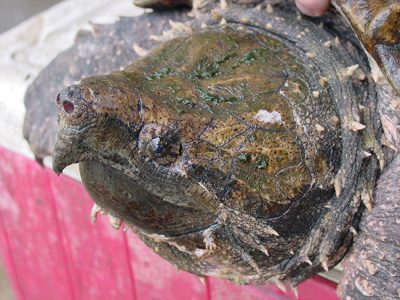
[68,148]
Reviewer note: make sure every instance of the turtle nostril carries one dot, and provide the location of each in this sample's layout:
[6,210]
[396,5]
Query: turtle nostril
[68,107]
[58,99]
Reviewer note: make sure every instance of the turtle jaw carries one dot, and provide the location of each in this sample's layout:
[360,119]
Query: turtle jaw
[68,148]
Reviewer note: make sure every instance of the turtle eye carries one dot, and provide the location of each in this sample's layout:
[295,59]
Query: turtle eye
[160,143]
[157,148]
[71,105]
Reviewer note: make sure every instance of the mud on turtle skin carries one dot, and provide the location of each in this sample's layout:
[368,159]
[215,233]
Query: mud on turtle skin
[221,229]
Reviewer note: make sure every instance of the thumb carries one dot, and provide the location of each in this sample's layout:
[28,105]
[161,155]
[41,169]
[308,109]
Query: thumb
[313,8]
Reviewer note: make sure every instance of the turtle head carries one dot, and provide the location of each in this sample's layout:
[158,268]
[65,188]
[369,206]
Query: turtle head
[100,112]
[109,118]
[74,115]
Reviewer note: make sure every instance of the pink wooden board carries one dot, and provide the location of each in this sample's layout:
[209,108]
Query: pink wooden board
[156,277]
[52,251]
[32,231]
[97,256]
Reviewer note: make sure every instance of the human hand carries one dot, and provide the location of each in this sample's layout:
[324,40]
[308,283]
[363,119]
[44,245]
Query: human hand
[313,8]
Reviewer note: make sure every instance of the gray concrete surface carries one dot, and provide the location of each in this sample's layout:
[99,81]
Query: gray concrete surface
[16,11]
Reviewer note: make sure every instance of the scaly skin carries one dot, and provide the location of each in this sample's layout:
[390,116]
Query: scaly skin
[372,269]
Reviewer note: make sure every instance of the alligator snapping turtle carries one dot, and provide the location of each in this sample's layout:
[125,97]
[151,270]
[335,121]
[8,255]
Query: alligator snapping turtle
[244,146]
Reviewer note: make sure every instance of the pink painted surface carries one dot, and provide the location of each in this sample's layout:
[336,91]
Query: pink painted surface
[52,251]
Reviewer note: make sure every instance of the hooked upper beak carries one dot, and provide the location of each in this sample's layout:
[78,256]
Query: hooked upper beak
[67,150]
